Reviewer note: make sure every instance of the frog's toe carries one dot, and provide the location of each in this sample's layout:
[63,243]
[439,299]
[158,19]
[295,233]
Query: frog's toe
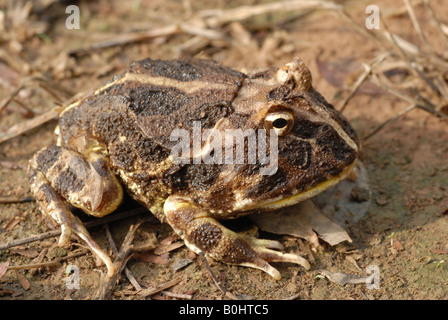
[270,244]
[265,255]
[80,231]
[71,224]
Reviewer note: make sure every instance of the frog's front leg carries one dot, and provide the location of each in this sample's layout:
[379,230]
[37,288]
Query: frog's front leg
[202,232]
[77,175]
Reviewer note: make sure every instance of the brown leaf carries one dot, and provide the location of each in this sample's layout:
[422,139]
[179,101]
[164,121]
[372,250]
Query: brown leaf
[343,73]
[166,241]
[181,263]
[304,221]
[22,279]
[152,258]
[9,78]
[28,253]
[167,248]
[342,278]
[397,245]
[3,268]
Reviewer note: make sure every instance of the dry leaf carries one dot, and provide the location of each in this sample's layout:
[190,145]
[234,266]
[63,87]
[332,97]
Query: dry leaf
[28,253]
[167,248]
[303,220]
[152,258]
[181,263]
[3,268]
[22,279]
[342,278]
[397,245]
[343,73]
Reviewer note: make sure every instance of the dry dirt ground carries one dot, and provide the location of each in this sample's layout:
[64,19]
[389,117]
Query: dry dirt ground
[404,232]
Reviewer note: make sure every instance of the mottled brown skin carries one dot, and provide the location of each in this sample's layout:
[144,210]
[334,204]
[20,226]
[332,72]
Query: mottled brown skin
[120,136]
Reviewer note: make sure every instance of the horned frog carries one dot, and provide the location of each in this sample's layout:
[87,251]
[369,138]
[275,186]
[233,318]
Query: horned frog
[120,137]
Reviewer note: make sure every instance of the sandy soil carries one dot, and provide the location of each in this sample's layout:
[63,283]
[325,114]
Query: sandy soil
[404,233]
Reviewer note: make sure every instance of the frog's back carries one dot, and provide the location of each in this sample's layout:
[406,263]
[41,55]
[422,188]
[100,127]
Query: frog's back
[137,111]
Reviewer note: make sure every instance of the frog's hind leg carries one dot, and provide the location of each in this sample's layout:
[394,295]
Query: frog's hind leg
[203,233]
[60,177]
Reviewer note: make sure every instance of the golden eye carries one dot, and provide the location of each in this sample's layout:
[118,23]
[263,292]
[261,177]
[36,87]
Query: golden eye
[281,122]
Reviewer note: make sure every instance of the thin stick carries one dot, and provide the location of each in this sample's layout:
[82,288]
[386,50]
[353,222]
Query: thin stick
[293,297]
[215,280]
[90,224]
[107,284]
[361,79]
[42,82]
[381,126]
[127,272]
[434,19]
[217,18]
[416,25]
[177,295]
[16,200]
[128,38]
[48,263]
[412,64]
[424,105]
[151,291]
[206,21]
[29,125]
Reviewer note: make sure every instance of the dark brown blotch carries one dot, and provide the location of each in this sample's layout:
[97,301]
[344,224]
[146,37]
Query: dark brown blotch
[332,143]
[268,185]
[47,158]
[67,181]
[175,69]
[152,100]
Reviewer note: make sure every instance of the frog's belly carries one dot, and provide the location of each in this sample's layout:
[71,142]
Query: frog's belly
[147,190]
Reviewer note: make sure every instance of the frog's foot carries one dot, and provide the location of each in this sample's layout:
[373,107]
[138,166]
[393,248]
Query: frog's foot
[263,249]
[203,233]
[60,177]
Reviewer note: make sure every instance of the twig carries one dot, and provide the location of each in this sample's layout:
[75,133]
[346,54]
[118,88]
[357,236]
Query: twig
[411,64]
[127,38]
[424,105]
[48,263]
[127,272]
[207,21]
[216,18]
[90,224]
[151,291]
[416,25]
[293,297]
[16,200]
[42,82]
[381,126]
[29,125]
[361,79]
[177,295]
[107,284]
[434,19]
[215,280]
[30,239]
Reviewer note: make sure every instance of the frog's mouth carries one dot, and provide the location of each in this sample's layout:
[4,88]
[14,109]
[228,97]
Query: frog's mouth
[279,203]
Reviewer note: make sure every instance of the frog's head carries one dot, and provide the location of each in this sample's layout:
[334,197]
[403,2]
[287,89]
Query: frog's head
[316,147]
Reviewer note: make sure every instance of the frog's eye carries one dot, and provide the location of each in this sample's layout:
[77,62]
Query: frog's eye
[281,122]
